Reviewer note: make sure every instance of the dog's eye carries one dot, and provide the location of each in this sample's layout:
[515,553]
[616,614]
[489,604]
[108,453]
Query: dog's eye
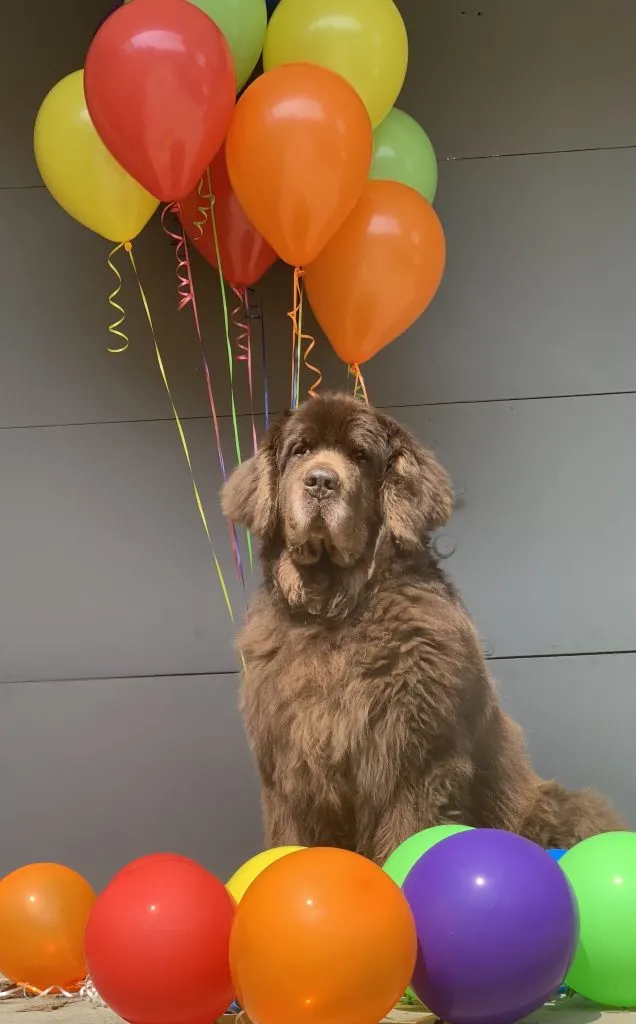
[361,457]
[300,448]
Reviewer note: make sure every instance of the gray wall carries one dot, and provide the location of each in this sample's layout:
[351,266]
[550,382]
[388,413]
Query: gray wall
[118,725]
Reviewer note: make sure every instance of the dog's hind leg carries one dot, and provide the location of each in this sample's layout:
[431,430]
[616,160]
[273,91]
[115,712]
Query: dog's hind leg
[562,817]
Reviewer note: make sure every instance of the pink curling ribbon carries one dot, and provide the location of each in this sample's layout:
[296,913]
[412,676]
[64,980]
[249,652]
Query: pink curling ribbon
[244,345]
[186,296]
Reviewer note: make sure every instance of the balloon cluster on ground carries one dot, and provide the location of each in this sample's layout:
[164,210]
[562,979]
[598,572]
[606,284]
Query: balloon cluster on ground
[484,925]
[312,164]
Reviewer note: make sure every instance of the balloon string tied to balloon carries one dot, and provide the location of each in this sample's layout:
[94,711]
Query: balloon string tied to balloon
[114,328]
[203,207]
[241,321]
[296,340]
[298,337]
[186,296]
[258,315]
[359,387]
[185,289]
[209,195]
[180,430]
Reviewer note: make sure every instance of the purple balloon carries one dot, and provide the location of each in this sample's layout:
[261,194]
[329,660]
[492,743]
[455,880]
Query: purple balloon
[496,925]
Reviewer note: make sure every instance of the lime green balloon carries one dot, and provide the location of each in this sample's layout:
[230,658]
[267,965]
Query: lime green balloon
[602,873]
[402,151]
[409,852]
[243,23]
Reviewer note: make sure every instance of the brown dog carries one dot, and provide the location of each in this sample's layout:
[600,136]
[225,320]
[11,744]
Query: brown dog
[366,696]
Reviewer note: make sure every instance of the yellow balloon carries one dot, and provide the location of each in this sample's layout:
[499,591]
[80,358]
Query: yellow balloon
[365,41]
[80,172]
[241,880]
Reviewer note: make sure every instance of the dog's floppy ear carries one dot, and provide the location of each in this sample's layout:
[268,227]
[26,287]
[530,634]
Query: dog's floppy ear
[417,496]
[250,494]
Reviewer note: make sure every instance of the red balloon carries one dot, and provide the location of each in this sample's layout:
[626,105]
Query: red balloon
[149,858]
[160,88]
[245,255]
[157,942]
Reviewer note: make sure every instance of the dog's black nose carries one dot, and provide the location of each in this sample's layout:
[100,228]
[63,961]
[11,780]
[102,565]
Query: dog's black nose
[321,481]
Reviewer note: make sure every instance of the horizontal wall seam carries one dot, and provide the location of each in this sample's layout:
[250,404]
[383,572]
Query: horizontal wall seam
[552,656]
[388,405]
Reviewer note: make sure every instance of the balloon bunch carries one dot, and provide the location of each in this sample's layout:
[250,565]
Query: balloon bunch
[311,927]
[496,922]
[485,925]
[504,926]
[314,164]
[347,204]
[144,118]
[142,123]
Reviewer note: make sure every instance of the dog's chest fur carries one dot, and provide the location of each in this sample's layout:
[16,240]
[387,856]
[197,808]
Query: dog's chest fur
[315,700]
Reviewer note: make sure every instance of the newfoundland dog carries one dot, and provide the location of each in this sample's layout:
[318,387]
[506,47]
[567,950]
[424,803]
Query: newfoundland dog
[367,700]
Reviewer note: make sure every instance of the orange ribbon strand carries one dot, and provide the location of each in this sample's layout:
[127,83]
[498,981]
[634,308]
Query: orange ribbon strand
[298,337]
[359,387]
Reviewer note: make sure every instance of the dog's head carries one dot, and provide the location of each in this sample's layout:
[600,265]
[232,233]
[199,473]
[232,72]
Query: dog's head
[331,484]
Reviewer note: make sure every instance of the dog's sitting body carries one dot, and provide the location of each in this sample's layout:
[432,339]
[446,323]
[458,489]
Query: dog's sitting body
[366,696]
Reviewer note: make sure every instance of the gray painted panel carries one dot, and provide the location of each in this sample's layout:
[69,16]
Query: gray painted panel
[39,44]
[544,536]
[538,299]
[55,366]
[538,296]
[97,773]
[111,575]
[106,566]
[521,76]
[578,714]
[137,765]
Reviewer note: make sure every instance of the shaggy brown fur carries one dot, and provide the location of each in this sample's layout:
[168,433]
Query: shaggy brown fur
[366,696]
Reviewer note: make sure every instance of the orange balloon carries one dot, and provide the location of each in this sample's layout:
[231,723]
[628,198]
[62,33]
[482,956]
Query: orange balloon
[379,272]
[298,151]
[43,914]
[323,936]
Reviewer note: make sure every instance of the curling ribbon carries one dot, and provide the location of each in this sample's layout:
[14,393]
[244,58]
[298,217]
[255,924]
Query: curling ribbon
[259,316]
[120,315]
[185,288]
[80,990]
[359,387]
[203,207]
[228,344]
[296,317]
[182,437]
[244,346]
[200,224]
[186,296]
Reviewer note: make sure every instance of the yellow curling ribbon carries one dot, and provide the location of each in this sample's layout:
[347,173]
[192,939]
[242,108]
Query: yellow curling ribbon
[184,443]
[114,327]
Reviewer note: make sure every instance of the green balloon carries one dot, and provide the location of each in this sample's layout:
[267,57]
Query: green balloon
[409,852]
[243,23]
[402,151]
[602,873]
